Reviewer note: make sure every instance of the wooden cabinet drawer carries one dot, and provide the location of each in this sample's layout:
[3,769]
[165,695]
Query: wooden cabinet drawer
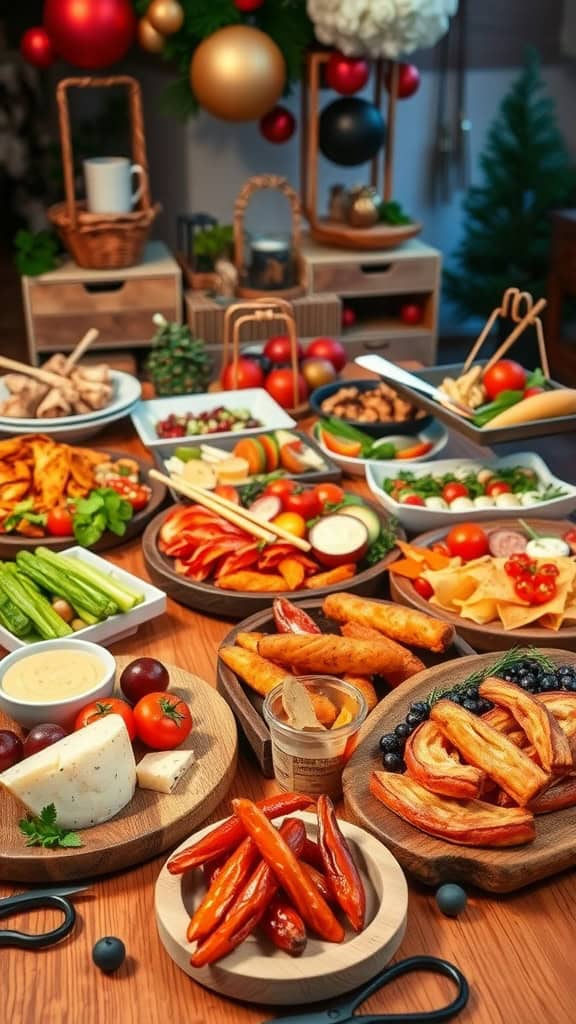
[56,298]
[385,277]
[420,347]
[117,330]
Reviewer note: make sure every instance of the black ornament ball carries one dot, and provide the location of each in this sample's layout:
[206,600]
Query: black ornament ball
[351,131]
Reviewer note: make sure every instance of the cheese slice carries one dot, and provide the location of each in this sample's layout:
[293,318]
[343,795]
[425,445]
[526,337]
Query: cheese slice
[163,770]
[89,776]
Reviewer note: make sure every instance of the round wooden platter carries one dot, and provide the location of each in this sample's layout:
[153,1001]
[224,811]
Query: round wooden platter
[381,236]
[11,543]
[152,822]
[492,636]
[228,604]
[432,860]
[256,972]
[247,704]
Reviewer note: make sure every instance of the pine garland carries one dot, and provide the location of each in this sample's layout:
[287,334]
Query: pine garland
[285,21]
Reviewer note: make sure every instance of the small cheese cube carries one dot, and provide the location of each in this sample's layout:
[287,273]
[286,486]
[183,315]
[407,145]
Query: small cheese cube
[162,770]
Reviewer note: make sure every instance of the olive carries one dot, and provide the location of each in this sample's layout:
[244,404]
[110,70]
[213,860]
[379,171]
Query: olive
[109,954]
[451,899]
[390,743]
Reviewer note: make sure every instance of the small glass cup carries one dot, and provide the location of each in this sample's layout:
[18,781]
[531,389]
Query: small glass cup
[312,761]
[271,265]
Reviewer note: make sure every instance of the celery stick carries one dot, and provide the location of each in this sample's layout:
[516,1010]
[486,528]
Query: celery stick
[124,597]
[60,583]
[12,618]
[47,622]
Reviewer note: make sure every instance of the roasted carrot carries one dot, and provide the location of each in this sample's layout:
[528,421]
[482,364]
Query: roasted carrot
[312,854]
[302,891]
[321,882]
[342,873]
[222,891]
[283,926]
[250,905]
[225,837]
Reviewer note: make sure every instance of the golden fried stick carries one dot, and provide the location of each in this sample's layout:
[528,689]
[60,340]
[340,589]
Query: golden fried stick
[261,675]
[330,654]
[411,663]
[249,641]
[405,625]
[551,744]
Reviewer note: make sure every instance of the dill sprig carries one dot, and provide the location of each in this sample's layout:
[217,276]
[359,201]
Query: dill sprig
[502,665]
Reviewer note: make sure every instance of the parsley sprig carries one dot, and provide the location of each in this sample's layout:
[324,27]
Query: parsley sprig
[44,831]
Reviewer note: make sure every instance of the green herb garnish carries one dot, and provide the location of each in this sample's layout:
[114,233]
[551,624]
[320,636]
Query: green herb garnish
[384,543]
[103,509]
[44,831]
[503,664]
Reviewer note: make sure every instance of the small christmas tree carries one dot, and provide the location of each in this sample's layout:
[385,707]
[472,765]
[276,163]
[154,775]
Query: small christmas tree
[528,173]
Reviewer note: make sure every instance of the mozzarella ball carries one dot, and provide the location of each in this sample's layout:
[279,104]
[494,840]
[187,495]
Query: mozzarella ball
[437,503]
[461,505]
[507,500]
[483,501]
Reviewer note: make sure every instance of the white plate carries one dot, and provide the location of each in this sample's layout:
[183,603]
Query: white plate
[118,626]
[435,433]
[259,973]
[417,519]
[261,405]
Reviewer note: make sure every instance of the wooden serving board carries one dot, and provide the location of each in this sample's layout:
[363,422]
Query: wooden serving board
[247,705]
[152,822]
[431,860]
[492,636]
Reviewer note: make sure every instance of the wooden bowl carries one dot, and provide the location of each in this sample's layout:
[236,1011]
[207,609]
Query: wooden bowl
[247,704]
[257,972]
[431,860]
[492,636]
[11,543]
[228,604]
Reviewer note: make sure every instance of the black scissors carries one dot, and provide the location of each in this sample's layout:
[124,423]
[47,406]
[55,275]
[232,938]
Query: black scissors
[38,899]
[343,1011]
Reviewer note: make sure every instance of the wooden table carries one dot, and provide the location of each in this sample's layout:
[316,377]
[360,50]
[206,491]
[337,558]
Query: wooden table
[516,951]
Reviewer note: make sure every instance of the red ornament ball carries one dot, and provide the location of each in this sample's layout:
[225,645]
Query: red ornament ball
[408,80]
[348,317]
[278,125]
[90,33]
[411,314]
[36,47]
[247,6]
[346,75]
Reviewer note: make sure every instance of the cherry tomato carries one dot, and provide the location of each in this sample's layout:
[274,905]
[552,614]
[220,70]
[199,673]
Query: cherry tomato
[468,541]
[137,494]
[524,589]
[548,569]
[281,488]
[291,521]
[505,375]
[101,708]
[278,349]
[163,721]
[544,588]
[246,373]
[454,490]
[228,492]
[423,588]
[59,522]
[441,549]
[304,502]
[280,384]
[411,499]
[328,494]
[533,391]
[494,487]
[517,565]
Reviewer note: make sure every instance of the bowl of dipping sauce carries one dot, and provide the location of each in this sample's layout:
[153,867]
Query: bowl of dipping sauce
[53,680]
[312,761]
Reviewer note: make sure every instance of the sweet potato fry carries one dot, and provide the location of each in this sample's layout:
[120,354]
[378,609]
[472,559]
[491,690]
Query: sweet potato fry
[259,674]
[293,572]
[411,663]
[326,712]
[249,641]
[431,762]
[405,625]
[330,654]
[557,798]
[253,582]
[468,822]
[366,687]
[482,746]
[549,741]
[326,579]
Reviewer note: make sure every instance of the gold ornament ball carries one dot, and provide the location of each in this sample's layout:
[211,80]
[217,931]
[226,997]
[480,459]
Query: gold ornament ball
[238,73]
[149,38]
[166,16]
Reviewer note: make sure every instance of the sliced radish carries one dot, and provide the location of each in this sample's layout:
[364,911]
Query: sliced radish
[266,508]
[338,540]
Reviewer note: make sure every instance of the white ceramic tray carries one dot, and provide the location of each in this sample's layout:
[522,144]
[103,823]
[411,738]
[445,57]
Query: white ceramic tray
[417,518]
[118,626]
[435,433]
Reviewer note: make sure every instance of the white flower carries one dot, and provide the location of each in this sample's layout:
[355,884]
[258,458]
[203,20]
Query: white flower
[380,28]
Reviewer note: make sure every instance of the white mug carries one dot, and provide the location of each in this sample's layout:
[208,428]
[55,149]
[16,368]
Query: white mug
[109,184]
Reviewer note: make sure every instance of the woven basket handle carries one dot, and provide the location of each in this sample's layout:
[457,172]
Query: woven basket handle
[261,181]
[137,129]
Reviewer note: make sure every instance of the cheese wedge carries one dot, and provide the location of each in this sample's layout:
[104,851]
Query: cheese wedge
[89,776]
[163,770]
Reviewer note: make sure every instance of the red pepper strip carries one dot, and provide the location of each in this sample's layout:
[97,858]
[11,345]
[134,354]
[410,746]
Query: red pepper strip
[303,893]
[284,927]
[223,891]
[226,836]
[290,619]
[321,882]
[249,908]
[343,875]
[312,854]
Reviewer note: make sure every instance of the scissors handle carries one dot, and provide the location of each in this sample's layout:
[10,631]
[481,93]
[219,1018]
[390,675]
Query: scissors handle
[412,964]
[32,901]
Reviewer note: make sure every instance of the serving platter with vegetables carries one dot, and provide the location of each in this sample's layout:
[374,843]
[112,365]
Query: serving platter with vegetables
[353,450]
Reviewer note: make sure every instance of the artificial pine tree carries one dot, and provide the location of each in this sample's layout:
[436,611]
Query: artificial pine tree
[527,172]
[178,364]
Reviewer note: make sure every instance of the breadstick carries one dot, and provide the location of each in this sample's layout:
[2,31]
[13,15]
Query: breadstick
[331,655]
[405,625]
[411,663]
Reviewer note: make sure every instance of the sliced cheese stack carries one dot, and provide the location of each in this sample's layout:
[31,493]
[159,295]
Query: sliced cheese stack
[162,770]
[88,776]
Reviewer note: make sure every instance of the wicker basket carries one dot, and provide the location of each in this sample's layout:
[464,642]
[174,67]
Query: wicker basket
[94,240]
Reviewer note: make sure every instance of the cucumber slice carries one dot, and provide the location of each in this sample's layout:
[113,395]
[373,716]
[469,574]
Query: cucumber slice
[187,454]
[365,515]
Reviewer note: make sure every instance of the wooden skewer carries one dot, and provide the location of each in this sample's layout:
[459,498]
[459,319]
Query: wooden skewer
[54,380]
[233,513]
[80,349]
[530,317]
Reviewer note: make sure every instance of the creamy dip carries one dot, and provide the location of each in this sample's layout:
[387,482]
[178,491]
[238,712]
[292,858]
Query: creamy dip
[53,675]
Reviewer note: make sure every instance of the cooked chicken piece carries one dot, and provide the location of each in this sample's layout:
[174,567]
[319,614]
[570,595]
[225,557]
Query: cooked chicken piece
[56,363]
[82,408]
[54,405]
[99,374]
[19,382]
[21,406]
[97,396]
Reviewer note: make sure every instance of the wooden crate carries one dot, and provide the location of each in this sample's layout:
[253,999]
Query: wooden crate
[315,315]
[60,306]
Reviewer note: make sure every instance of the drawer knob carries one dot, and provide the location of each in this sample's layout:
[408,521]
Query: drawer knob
[95,287]
[376,268]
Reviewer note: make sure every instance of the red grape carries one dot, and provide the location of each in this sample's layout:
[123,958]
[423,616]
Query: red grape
[143,676]
[11,749]
[41,736]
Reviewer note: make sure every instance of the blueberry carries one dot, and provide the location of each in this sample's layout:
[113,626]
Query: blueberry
[485,705]
[109,954]
[421,708]
[549,683]
[571,685]
[413,719]
[393,762]
[472,693]
[451,899]
[470,705]
[389,743]
[403,730]
[456,698]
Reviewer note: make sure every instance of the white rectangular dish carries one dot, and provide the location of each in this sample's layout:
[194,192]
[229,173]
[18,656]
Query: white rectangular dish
[262,407]
[417,518]
[118,626]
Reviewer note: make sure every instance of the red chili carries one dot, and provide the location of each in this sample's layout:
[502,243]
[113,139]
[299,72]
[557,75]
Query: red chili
[284,927]
[544,589]
[320,881]
[223,891]
[290,619]
[311,853]
[524,588]
[517,565]
[343,875]
[548,569]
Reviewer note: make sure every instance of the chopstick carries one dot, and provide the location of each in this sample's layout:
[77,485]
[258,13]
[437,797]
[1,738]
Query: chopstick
[531,315]
[228,510]
[80,349]
[44,376]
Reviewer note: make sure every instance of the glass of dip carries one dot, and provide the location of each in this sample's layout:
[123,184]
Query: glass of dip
[312,761]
